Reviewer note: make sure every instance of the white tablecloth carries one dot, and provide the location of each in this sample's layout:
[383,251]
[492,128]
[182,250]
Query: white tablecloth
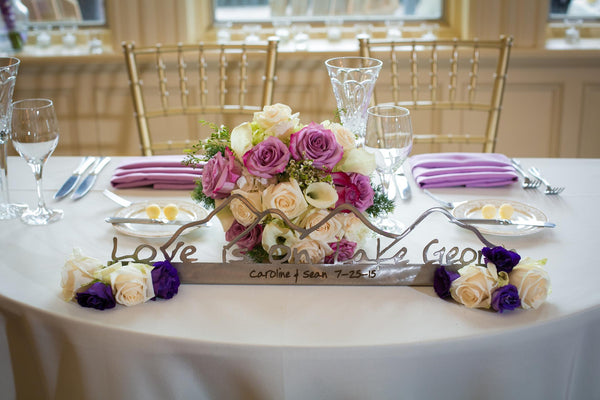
[299,342]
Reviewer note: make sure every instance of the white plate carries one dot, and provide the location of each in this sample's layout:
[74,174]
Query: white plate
[187,212]
[523,212]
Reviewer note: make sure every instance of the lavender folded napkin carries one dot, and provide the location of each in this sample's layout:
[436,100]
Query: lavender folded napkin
[158,172]
[462,169]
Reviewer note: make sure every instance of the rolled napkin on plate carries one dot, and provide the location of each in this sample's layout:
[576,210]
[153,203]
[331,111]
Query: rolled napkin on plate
[158,172]
[462,169]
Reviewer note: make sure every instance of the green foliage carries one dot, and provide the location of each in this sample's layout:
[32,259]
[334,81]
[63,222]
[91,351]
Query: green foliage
[219,139]
[200,197]
[381,203]
[258,254]
[304,172]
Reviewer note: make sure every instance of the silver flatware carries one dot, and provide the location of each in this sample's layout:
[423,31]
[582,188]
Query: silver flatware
[72,181]
[403,185]
[485,221]
[90,179]
[550,189]
[116,198]
[151,221]
[527,182]
[446,204]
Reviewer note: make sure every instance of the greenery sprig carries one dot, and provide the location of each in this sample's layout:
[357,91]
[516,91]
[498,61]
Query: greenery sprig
[219,139]
[381,203]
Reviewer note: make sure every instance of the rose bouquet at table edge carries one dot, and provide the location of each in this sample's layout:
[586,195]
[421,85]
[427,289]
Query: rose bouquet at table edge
[305,171]
[506,282]
[95,285]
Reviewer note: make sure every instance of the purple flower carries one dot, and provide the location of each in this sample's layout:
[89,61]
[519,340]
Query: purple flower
[344,248]
[506,298]
[165,280]
[268,158]
[315,142]
[98,295]
[354,189]
[442,280]
[248,241]
[220,175]
[504,259]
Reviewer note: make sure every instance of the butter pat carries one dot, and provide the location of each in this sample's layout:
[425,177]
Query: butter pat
[171,211]
[506,211]
[488,211]
[153,211]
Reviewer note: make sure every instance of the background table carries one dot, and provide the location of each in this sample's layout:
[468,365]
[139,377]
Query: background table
[299,342]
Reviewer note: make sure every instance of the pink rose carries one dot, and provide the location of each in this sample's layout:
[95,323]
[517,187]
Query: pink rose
[248,241]
[220,175]
[354,189]
[316,143]
[268,158]
[344,248]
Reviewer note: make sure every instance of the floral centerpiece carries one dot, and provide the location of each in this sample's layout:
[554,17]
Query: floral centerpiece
[505,283]
[305,171]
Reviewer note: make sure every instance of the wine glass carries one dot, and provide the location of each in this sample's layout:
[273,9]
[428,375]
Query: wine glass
[9,67]
[353,80]
[389,137]
[34,135]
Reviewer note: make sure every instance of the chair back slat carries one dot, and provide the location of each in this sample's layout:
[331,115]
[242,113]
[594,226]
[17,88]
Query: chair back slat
[213,81]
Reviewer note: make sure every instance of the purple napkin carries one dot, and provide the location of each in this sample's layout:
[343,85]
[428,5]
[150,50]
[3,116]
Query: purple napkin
[158,172]
[462,169]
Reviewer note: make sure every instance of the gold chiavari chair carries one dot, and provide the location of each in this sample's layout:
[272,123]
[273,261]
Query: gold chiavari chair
[418,83]
[195,82]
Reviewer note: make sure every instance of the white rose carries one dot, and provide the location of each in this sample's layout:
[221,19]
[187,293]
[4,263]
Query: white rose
[78,270]
[474,287]
[310,251]
[275,232]
[321,195]
[225,216]
[250,183]
[104,273]
[132,284]
[532,282]
[241,140]
[353,228]
[357,160]
[277,120]
[240,212]
[286,197]
[343,135]
[331,231]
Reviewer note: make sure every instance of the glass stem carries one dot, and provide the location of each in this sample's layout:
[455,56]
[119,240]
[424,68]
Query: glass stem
[37,172]
[3,171]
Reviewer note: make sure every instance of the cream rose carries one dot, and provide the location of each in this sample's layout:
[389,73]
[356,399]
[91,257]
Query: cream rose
[532,282]
[286,197]
[241,140]
[310,251]
[240,212]
[343,135]
[275,232]
[330,231]
[474,286]
[353,228]
[357,160]
[277,120]
[78,270]
[132,284]
[321,195]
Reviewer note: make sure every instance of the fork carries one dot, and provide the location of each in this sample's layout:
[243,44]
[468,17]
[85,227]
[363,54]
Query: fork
[527,183]
[549,188]
[446,204]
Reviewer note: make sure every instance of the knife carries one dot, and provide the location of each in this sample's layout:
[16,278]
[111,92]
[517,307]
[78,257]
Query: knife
[492,221]
[89,180]
[403,186]
[123,220]
[74,178]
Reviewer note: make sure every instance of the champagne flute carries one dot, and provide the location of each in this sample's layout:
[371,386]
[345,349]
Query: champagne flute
[389,137]
[34,135]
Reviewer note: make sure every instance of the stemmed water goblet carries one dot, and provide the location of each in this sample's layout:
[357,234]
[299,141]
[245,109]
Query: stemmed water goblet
[389,137]
[353,80]
[34,135]
[9,67]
